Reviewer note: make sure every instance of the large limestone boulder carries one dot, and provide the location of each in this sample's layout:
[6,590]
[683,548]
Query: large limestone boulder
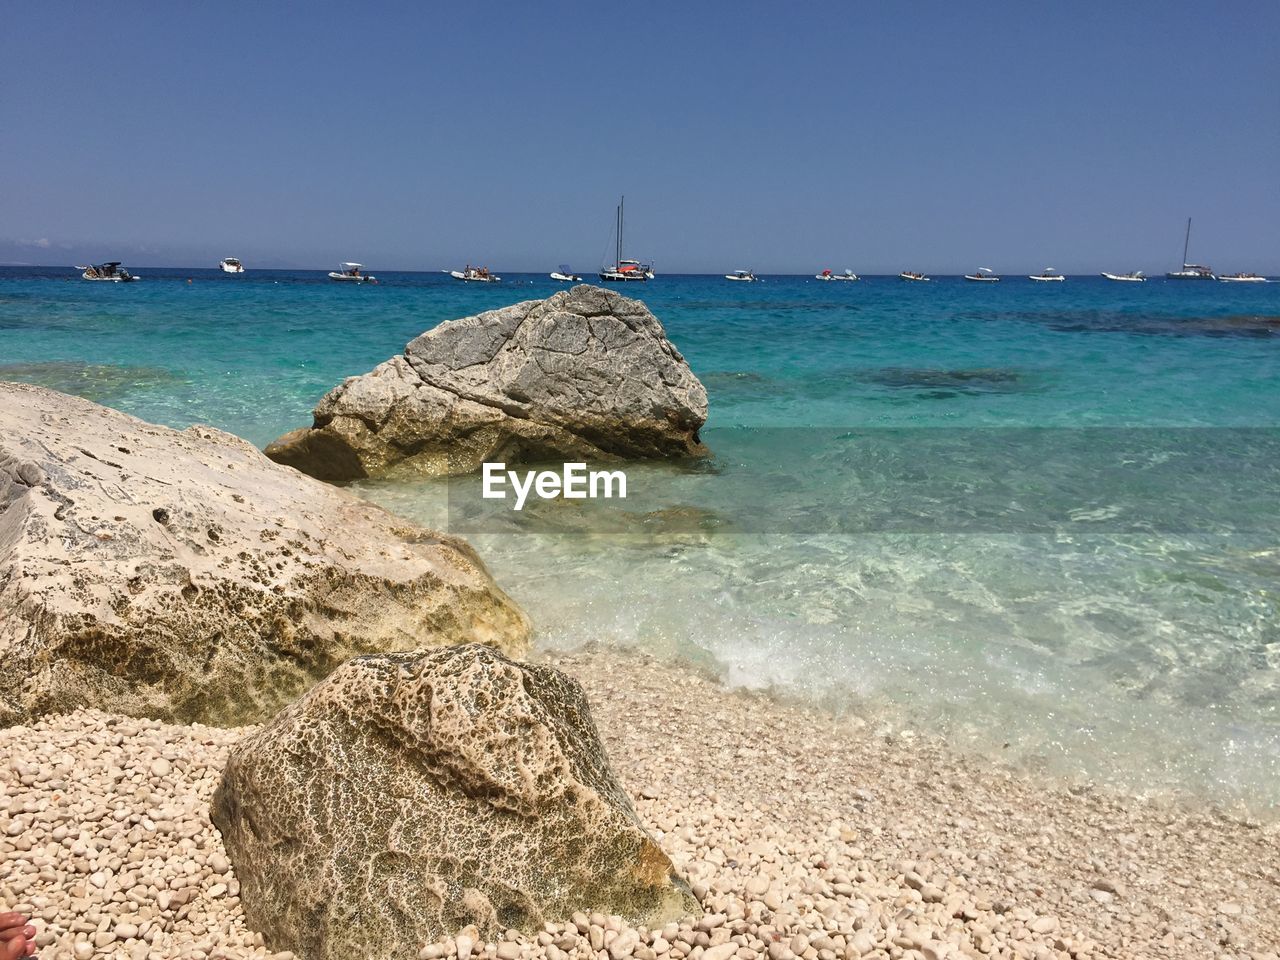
[586,374]
[182,575]
[410,795]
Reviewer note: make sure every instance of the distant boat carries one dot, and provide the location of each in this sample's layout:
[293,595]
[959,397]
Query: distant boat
[982,275]
[475,275]
[1190,271]
[231,265]
[745,276]
[1047,275]
[565,275]
[913,277]
[111,272]
[351,273]
[1243,278]
[622,270]
[828,275]
[1134,277]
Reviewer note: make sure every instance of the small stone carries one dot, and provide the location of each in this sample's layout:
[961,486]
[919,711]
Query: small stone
[722,952]
[161,767]
[622,945]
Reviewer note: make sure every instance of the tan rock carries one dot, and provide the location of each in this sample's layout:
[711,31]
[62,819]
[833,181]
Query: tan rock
[586,374]
[409,795]
[182,575]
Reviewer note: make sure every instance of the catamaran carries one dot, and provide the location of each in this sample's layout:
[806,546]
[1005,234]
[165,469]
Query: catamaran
[913,276]
[351,273]
[1134,276]
[624,271]
[111,272]
[1243,278]
[1047,275]
[474,275]
[1190,271]
[745,276]
[231,265]
[982,275]
[565,275]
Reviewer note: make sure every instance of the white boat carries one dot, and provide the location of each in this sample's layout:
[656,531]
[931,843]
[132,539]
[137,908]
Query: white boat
[1047,275]
[352,273]
[1190,271]
[622,270]
[110,272]
[1133,277]
[745,276]
[982,275]
[474,275]
[565,275]
[913,277]
[1243,278]
[828,275]
[231,265]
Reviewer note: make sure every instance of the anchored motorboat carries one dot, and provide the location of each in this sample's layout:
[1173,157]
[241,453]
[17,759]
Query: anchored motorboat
[1133,277]
[565,275]
[474,275]
[622,270]
[231,265]
[913,277]
[1047,275]
[982,275]
[1190,271]
[352,273]
[1243,278]
[746,276]
[111,272]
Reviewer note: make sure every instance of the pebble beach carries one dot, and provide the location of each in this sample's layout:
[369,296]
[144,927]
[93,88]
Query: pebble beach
[803,835]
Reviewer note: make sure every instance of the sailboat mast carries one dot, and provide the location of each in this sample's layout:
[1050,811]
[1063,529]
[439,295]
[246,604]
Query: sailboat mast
[618,257]
[1187,245]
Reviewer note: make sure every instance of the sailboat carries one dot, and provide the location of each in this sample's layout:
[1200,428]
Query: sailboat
[624,270]
[1190,271]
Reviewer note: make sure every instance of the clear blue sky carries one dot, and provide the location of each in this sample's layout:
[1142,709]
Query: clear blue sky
[784,137]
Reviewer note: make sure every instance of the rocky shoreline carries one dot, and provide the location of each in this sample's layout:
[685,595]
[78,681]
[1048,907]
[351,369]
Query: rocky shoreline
[803,836]
[411,788]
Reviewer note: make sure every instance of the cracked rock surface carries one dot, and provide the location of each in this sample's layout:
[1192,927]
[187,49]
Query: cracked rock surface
[181,575]
[410,796]
[586,374]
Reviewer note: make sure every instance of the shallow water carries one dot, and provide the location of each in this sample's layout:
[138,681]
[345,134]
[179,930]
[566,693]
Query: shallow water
[877,529]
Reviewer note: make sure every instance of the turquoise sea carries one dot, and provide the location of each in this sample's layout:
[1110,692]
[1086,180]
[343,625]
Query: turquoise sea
[1038,519]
